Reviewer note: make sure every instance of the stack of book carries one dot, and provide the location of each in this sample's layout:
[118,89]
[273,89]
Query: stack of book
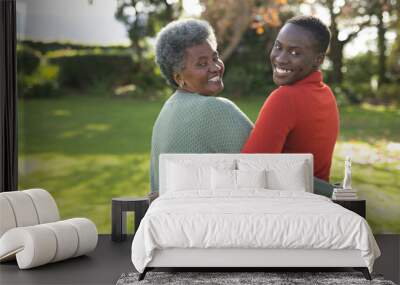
[344,194]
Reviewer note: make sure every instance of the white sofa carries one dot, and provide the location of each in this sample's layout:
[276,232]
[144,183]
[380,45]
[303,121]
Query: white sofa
[31,231]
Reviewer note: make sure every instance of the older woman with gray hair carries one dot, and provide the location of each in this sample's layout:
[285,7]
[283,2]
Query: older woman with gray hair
[192,120]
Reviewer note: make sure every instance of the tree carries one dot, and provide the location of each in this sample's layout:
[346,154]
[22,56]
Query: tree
[380,9]
[231,19]
[394,58]
[143,19]
[245,32]
[347,20]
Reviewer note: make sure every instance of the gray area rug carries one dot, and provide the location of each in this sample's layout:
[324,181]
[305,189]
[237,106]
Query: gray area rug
[269,278]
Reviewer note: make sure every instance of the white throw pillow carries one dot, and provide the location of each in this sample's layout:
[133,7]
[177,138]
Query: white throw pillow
[226,179]
[251,178]
[181,177]
[281,175]
[223,179]
[292,180]
[193,174]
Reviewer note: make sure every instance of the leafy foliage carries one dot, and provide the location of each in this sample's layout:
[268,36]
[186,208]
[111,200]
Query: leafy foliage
[394,57]
[45,47]
[143,19]
[36,76]
[248,71]
[361,82]
[246,31]
[62,68]
[86,70]
[230,20]
[28,59]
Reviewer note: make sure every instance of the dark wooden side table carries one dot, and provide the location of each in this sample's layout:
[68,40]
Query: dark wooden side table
[357,206]
[118,214]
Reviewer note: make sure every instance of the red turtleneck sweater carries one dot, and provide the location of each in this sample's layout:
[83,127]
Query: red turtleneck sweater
[298,118]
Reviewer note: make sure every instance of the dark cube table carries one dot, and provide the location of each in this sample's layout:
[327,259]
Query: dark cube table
[357,205]
[119,207]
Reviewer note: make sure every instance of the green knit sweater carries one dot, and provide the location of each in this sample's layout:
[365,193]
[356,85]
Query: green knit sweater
[192,123]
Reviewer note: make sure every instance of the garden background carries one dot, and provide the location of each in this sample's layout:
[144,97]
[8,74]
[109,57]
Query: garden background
[86,111]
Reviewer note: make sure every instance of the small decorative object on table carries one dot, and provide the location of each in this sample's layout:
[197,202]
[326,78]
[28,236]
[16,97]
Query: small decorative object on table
[120,206]
[347,174]
[346,192]
[346,196]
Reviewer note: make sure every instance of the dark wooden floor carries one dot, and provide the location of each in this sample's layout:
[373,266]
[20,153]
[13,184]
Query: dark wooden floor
[111,259]
[102,266]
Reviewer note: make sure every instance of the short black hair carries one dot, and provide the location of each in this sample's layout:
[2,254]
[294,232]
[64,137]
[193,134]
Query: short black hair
[317,28]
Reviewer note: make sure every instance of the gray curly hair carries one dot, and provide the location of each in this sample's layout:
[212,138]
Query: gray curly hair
[173,40]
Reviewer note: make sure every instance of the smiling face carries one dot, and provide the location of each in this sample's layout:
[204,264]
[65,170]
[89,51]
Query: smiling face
[294,55]
[203,71]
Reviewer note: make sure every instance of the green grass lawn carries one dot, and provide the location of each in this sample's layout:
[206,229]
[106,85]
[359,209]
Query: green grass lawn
[86,150]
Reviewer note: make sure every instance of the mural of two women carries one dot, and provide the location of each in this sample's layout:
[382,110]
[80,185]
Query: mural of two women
[300,116]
